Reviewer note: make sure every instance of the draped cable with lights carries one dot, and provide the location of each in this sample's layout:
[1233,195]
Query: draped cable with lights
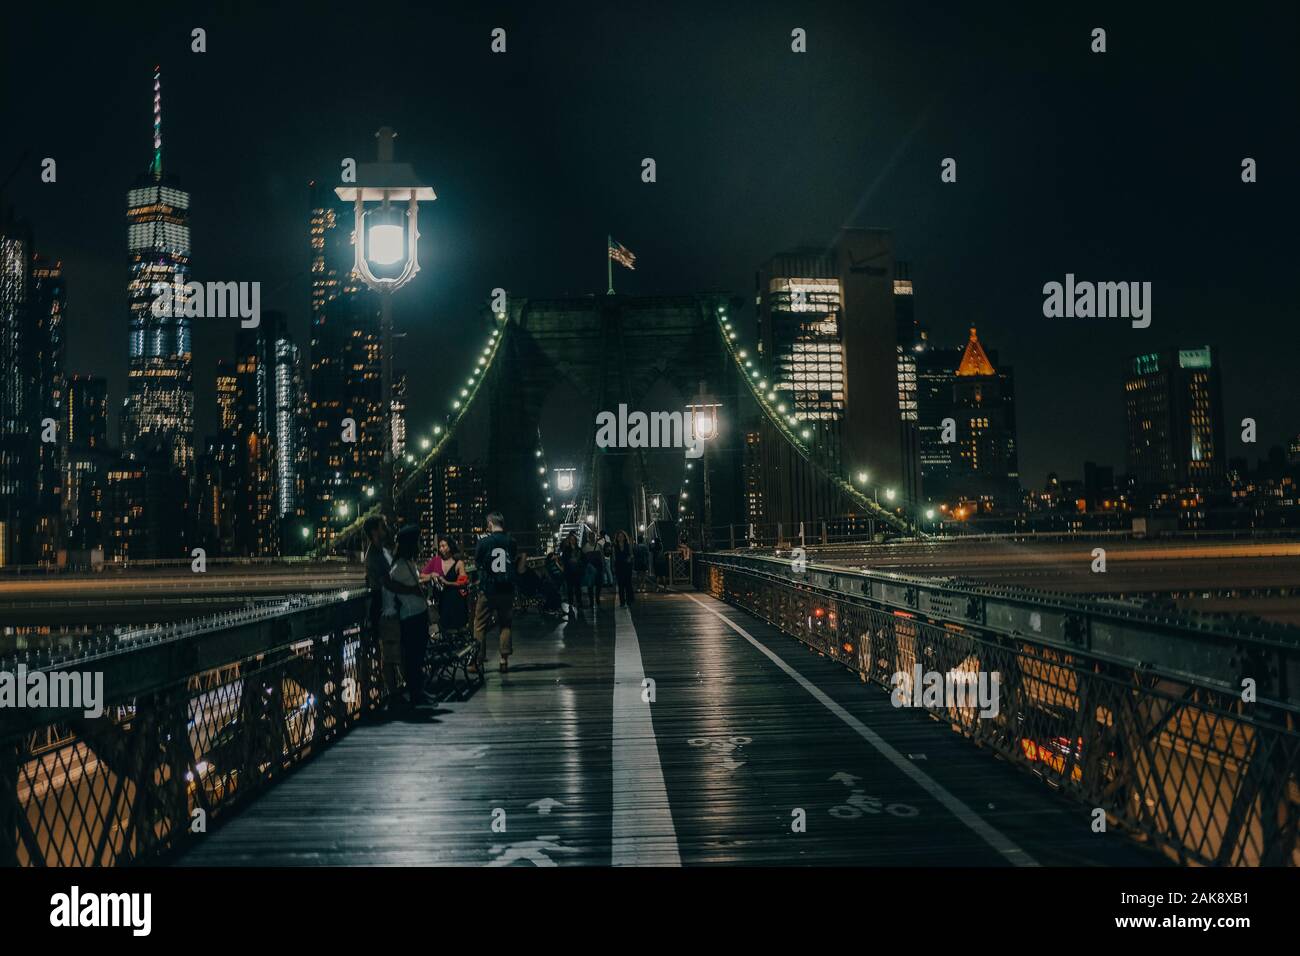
[789,427]
[433,441]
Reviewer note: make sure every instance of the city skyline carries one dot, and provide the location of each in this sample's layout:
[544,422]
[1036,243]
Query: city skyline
[734,436]
[473,243]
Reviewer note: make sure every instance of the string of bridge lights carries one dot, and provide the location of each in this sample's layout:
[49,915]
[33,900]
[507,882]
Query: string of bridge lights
[785,419]
[432,444]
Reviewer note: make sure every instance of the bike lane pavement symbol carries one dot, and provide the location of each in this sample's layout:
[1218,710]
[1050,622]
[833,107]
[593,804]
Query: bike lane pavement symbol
[859,802]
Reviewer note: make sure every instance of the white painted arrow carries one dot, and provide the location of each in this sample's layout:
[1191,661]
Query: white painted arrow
[534,851]
[733,764]
[845,778]
[545,805]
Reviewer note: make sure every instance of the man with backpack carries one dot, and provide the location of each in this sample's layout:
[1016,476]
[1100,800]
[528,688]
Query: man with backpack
[495,560]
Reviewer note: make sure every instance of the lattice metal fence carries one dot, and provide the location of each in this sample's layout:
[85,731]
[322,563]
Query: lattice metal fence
[1208,779]
[163,762]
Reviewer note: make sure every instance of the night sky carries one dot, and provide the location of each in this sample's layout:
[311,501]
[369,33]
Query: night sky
[1119,166]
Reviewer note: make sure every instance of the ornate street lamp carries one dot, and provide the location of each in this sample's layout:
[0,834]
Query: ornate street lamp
[704,414]
[385,236]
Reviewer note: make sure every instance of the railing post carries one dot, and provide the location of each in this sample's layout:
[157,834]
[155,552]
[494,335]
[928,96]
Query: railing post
[823,531]
[732,529]
[778,534]
[9,804]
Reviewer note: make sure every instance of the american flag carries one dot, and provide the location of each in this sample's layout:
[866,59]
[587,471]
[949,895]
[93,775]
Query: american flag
[621,254]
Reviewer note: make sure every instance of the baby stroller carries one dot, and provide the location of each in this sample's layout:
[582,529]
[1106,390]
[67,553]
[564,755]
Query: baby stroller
[528,589]
[552,583]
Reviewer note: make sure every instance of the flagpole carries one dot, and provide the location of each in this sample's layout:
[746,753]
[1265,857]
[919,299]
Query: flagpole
[609,262]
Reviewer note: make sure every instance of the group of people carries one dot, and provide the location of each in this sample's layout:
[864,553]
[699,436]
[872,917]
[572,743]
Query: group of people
[407,600]
[600,562]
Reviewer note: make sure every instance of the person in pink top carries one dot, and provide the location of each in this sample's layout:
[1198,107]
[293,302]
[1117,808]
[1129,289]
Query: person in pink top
[447,573]
[439,564]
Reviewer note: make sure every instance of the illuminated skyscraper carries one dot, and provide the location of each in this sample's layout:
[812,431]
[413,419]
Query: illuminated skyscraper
[799,327]
[964,395]
[1175,418]
[829,338]
[159,408]
[86,454]
[86,422]
[344,386]
[48,302]
[397,408]
[285,408]
[18,395]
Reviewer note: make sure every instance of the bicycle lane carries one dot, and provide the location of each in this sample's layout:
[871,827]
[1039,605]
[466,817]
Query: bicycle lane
[762,767]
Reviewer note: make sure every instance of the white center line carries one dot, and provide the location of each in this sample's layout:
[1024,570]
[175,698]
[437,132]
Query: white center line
[643,832]
[990,834]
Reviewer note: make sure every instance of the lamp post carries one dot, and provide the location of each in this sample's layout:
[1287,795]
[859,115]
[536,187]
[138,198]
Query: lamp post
[704,415]
[384,239]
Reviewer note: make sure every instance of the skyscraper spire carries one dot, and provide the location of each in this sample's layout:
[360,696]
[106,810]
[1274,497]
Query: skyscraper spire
[156,166]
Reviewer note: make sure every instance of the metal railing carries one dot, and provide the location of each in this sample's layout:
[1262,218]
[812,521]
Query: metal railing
[198,718]
[850,530]
[1136,712]
[179,564]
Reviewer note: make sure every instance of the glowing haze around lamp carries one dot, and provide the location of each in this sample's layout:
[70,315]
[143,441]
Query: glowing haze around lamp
[564,479]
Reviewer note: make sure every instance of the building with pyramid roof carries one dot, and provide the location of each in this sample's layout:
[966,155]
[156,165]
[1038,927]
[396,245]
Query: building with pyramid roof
[967,398]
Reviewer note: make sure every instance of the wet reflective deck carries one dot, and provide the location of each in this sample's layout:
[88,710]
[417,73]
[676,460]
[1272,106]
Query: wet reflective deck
[563,762]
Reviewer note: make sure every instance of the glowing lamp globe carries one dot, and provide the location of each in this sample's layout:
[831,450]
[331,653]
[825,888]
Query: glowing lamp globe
[385,245]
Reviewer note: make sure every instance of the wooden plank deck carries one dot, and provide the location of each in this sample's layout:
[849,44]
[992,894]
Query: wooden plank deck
[744,731]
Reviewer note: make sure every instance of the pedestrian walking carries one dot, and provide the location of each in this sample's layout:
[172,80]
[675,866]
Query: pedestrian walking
[623,568]
[495,558]
[594,577]
[641,562]
[571,558]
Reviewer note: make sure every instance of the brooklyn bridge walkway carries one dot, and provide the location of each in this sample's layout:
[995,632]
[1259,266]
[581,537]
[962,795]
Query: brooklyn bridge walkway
[753,751]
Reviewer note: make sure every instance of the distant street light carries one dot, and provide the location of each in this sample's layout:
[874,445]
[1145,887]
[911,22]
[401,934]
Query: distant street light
[704,410]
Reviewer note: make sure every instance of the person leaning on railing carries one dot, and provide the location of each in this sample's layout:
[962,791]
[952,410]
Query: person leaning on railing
[412,611]
[386,628]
